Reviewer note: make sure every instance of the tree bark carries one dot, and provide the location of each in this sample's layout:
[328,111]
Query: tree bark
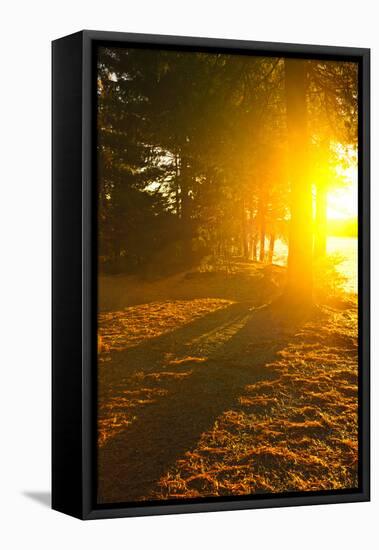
[185,210]
[245,242]
[253,247]
[299,277]
[177,186]
[262,228]
[271,248]
[262,240]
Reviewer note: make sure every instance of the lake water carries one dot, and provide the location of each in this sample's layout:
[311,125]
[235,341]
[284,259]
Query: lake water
[345,247]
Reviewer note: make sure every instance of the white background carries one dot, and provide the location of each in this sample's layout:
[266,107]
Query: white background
[26,31]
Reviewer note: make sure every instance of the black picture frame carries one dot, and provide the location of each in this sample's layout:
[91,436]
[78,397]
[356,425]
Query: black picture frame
[74,274]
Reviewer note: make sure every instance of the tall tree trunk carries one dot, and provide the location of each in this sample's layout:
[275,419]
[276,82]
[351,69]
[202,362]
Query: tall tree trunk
[185,210]
[177,186]
[262,241]
[299,277]
[245,242]
[262,228]
[271,248]
[253,247]
[320,228]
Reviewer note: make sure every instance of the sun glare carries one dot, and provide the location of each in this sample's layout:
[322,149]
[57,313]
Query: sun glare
[343,200]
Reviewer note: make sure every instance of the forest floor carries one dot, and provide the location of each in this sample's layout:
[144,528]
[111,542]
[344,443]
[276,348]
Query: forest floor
[205,391]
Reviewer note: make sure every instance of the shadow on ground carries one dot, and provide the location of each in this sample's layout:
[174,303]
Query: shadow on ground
[249,280]
[197,373]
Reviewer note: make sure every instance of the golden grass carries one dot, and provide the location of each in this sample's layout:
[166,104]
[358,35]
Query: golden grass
[296,432]
[119,330]
[294,429]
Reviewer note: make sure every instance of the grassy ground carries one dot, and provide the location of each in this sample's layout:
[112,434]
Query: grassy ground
[206,391]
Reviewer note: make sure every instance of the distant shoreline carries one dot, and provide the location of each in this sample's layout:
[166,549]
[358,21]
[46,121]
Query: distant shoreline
[342,228]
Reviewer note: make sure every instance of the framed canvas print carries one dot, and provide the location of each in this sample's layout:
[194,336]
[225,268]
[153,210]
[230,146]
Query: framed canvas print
[210,274]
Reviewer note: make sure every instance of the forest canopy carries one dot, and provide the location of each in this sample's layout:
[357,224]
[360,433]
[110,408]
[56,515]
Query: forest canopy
[207,156]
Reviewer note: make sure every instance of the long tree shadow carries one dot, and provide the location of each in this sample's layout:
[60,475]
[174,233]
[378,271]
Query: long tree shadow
[201,336]
[194,391]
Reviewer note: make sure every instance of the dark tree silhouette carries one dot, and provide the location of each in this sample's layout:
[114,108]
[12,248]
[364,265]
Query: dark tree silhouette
[300,280]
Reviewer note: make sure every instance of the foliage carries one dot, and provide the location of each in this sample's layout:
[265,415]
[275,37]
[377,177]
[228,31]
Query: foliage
[195,160]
